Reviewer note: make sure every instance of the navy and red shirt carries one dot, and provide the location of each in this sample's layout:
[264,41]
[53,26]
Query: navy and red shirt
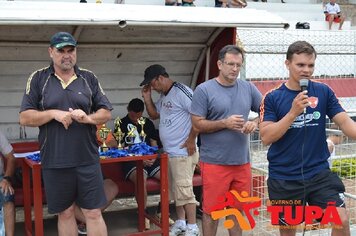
[285,156]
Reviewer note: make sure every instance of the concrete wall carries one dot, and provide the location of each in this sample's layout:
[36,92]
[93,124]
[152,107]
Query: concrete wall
[117,57]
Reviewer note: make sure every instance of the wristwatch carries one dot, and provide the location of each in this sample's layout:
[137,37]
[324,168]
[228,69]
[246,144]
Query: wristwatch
[8,178]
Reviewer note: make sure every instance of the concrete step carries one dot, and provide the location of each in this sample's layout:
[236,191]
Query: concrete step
[145,2]
[271,4]
[72,1]
[204,3]
[289,7]
[322,25]
[292,11]
[299,16]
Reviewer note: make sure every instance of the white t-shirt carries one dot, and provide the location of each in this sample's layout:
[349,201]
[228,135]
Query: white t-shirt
[175,122]
[332,9]
[5,148]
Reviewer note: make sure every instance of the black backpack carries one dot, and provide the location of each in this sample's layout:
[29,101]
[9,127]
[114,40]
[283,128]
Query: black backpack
[302,25]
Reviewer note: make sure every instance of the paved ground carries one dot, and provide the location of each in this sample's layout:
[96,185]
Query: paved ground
[118,222]
[121,219]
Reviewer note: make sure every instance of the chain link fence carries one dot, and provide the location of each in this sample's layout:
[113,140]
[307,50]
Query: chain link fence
[266,52]
[336,60]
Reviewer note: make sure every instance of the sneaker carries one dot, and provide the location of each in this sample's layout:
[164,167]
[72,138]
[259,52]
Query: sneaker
[158,217]
[176,229]
[192,232]
[82,228]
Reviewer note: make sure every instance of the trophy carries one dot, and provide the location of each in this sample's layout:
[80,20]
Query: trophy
[131,134]
[118,132]
[142,121]
[104,132]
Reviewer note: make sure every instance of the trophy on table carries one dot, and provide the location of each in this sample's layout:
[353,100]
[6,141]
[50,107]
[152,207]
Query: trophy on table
[142,121]
[131,135]
[118,132]
[104,132]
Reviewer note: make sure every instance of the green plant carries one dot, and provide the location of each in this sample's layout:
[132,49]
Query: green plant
[344,167]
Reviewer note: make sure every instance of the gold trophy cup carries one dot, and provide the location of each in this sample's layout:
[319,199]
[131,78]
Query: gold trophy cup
[130,137]
[142,121]
[118,133]
[104,132]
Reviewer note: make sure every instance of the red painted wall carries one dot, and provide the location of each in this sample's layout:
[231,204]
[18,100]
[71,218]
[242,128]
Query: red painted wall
[227,36]
[343,87]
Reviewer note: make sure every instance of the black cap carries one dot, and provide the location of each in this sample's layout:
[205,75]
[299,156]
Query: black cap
[152,72]
[62,39]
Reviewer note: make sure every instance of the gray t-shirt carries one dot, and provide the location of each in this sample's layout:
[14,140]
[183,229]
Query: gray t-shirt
[5,148]
[175,122]
[215,102]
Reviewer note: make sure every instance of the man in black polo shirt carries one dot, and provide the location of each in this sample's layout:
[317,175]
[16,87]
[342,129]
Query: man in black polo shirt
[66,103]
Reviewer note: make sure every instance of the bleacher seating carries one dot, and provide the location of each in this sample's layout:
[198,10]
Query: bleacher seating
[299,11]
[293,11]
[145,2]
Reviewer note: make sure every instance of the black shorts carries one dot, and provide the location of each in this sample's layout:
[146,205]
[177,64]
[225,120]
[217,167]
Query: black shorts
[82,185]
[149,171]
[325,187]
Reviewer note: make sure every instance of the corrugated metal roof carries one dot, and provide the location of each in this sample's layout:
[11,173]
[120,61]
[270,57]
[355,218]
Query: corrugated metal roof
[115,41]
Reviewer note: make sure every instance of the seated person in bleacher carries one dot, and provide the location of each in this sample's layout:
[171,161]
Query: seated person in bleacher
[129,123]
[110,187]
[332,13]
[184,3]
[7,192]
[231,3]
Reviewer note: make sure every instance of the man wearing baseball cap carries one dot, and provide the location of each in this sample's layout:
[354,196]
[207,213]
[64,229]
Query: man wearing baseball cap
[66,103]
[178,139]
[62,39]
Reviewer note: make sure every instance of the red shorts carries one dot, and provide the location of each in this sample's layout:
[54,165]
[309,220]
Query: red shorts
[337,19]
[220,179]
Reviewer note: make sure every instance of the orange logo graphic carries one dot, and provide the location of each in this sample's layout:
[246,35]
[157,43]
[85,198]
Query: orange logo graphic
[313,101]
[231,198]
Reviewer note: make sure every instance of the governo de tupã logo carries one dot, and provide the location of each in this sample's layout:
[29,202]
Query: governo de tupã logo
[249,207]
[227,208]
